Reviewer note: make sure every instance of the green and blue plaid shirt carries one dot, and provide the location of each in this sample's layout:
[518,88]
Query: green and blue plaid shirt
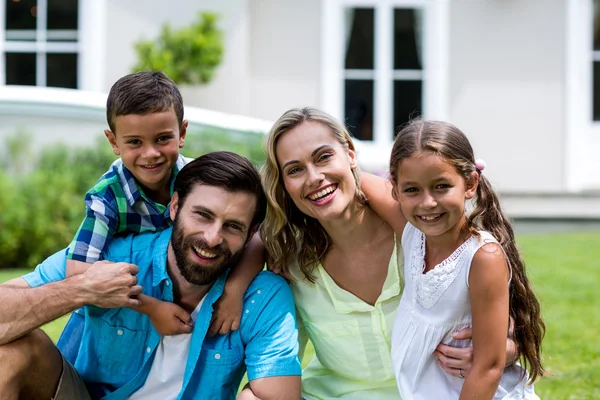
[115,206]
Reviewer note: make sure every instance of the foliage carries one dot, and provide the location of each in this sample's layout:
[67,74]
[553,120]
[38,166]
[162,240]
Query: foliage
[188,55]
[41,195]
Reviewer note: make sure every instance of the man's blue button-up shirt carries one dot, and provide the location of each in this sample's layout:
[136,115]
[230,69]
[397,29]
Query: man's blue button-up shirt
[118,345]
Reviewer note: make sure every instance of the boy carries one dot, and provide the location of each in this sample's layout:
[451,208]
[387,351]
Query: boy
[144,111]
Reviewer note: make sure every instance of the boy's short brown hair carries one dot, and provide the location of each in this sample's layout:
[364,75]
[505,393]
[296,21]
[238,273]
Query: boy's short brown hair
[143,93]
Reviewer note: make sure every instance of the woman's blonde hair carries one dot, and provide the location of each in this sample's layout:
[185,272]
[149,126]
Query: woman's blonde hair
[289,235]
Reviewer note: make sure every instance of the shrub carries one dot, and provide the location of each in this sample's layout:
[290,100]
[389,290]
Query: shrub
[41,196]
[188,56]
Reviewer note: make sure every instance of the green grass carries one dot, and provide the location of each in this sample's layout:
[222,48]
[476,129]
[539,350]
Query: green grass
[565,272]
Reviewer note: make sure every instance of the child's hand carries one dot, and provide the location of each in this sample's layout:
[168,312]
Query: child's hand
[227,314]
[276,270]
[170,319]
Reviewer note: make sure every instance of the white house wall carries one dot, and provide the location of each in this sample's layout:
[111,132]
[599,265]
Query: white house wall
[284,56]
[130,20]
[507,69]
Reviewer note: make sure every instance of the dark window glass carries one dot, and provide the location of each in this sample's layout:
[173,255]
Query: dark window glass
[21,14]
[358,108]
[407,101]
[62,14]
[62,70]
[20,68]
[596,110]
[406,39]
[360,31]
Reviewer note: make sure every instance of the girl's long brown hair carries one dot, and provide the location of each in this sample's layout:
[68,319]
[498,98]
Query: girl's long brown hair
[444,139]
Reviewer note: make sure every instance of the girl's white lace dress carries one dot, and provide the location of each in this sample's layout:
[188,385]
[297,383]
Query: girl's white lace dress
[434,305]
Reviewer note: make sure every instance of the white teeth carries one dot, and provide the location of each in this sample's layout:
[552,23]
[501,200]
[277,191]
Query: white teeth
[204,253]
[429,217]
[151,166]
[322,193]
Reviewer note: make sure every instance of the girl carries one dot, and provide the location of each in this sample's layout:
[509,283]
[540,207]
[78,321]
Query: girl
[461,270]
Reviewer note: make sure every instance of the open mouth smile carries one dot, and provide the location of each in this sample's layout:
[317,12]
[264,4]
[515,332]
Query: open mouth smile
[204,253]
[323,194]
[430,217]
[151,167]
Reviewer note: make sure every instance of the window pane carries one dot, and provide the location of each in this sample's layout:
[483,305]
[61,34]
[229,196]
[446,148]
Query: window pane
[360,25]
[62,14]
[20,68]
[62,70]
[596,110]
[358,108]
[21,14]
[407,101]
[407,39]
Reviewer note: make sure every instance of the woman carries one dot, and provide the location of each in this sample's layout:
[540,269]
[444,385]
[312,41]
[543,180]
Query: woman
[343,260]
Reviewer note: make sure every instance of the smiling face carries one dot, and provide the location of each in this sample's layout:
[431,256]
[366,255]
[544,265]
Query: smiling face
[317,170]
[432,194]
[211,228]
[148,145]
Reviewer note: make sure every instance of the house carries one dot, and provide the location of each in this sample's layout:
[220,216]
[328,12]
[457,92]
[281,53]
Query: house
[520,77]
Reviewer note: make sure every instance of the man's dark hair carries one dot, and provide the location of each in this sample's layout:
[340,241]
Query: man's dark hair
[143,93]
[225,170]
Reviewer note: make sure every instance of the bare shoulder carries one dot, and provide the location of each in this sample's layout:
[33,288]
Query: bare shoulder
[489,265]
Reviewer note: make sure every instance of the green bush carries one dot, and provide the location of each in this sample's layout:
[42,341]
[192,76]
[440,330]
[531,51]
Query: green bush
[188,56]
[41,200]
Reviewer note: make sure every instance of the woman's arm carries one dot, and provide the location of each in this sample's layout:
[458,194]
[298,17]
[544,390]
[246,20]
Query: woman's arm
[488,290]
[379,194]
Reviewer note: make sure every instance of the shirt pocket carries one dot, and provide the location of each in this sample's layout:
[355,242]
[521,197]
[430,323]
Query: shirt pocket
[339,347]
[226,368]
[112,354]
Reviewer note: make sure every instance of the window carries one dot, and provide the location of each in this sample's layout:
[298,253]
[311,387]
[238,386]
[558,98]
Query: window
[361,69]
[383,63]
[41,43]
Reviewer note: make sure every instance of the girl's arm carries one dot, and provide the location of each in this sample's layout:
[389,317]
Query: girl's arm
[379,194]
[488,290]
[228,309]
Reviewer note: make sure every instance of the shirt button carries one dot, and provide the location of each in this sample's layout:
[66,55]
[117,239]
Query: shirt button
[217,356]
[247,311]
[252,301]
[258,291]
[167,283]
[119,332]
[148,350]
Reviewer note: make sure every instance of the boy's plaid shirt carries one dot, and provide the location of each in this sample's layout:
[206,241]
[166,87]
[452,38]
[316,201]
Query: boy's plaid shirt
[116,205]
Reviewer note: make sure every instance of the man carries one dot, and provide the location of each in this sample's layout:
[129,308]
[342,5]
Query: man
[216,207]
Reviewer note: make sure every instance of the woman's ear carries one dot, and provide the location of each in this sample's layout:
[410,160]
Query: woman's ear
[472,184]
[352,158]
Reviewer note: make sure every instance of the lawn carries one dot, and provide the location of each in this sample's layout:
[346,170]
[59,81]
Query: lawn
[565,271]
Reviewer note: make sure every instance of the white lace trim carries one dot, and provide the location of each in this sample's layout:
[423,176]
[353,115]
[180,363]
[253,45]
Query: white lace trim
[430,286]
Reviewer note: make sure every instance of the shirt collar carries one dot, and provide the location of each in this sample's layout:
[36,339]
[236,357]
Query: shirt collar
[133,192]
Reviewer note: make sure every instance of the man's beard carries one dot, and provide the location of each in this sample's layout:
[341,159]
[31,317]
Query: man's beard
[195,273]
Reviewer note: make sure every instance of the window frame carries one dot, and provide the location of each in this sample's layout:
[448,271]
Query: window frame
[90,46]
[582,133]
[435,61]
